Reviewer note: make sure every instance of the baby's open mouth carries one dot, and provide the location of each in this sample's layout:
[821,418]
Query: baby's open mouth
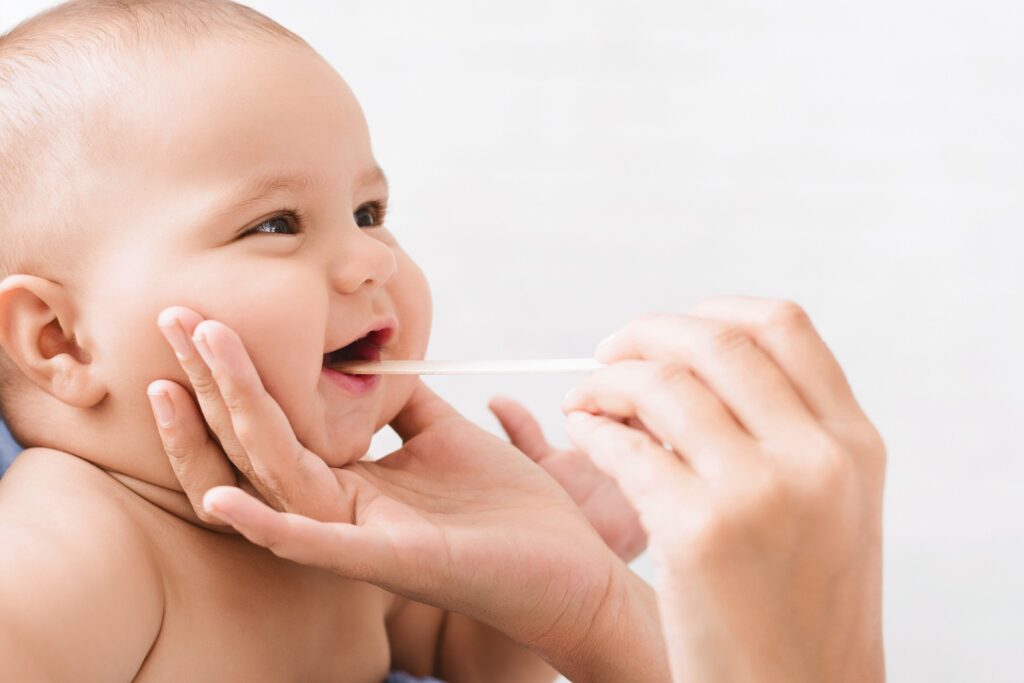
[365,348]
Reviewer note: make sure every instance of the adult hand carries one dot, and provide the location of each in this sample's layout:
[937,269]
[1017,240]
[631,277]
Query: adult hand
[759,483]
[455,518]
[597,495]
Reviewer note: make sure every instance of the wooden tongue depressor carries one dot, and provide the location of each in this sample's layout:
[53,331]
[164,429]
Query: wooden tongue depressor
[467,367]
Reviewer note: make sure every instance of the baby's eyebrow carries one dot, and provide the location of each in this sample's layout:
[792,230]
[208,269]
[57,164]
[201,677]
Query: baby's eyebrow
[257,190]
[375,176]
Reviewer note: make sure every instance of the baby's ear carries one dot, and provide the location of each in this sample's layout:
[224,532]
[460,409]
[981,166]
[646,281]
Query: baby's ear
[37,330]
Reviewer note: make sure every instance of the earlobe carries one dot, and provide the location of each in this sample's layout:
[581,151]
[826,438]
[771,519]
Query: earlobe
[37,331]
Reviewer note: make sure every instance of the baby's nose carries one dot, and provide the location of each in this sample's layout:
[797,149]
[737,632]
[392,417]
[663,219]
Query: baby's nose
[364,262]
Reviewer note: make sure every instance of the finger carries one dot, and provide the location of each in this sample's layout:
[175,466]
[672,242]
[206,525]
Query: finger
[638,424]
[784,330]
[178,325]
[196,459]
[424,408]
[728,361]
[651,478]
[282,469]
[521,427]
[673,405]
[351,551]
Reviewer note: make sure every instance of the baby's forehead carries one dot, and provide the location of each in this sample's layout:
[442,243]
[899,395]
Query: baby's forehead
[70,82]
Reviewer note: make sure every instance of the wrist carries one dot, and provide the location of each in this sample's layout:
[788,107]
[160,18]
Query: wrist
[619,638]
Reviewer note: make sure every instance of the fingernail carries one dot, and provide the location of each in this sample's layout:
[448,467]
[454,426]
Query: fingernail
[571,397]
[211,507]
[218,514]
[177,338]
[204,350]
[579,416]
[163,409]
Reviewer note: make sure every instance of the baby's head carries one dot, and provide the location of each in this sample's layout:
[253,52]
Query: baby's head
[158,153]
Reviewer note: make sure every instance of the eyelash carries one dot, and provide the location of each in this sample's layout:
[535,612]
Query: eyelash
[297,220]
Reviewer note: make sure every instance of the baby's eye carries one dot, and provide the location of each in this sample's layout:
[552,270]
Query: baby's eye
[370,215]
[283,225]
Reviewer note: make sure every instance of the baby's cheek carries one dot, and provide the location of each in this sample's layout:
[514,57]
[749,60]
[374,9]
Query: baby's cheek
[289,365]
[410,294]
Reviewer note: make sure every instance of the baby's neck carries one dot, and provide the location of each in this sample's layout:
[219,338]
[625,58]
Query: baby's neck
[123,443]
[172,501]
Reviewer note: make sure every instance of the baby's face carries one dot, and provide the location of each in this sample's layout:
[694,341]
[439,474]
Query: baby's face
[243,186]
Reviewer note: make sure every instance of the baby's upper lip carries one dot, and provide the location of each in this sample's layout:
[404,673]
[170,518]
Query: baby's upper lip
[383,330]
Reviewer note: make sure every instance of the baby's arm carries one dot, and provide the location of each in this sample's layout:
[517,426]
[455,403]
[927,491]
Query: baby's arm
[426,640]
[472,651]
[78,600]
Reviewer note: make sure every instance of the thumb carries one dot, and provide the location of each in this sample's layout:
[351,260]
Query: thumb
[423,409]
[521,427]
[354,552]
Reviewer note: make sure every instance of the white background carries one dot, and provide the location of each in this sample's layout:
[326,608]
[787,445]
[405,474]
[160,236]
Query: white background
[560,167]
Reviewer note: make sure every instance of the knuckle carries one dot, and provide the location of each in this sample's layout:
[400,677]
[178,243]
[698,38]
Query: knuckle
[672,375]
[872,444]
[831,465]
[819,441]
[832,474]
[179,451]
[758,493]
[234,400]
[724,340]
[240,431]
[620,438]
[878,451]
[242,398]
[203,383]
[268,488]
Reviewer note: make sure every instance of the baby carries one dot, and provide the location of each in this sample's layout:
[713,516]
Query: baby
[157,153]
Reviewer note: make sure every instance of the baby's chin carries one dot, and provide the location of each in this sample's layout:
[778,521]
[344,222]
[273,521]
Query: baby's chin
[346,449]
[349,437]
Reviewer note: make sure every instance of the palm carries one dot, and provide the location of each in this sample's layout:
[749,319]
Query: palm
[434,506]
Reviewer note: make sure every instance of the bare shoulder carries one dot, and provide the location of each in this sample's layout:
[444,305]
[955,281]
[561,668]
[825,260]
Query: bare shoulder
[81,595]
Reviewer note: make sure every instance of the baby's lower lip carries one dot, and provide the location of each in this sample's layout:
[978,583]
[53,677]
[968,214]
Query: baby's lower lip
[354,385]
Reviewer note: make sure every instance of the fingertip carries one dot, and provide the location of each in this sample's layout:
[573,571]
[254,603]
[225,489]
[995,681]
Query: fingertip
[160,386]
[162,407]
[503,405]
[578,416]
[186,317]
[217,499]
[497,400]
[204,329]
[168,316]
[571,401]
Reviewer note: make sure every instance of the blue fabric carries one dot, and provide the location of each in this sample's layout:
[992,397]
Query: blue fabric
[400,677]
[8,448]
